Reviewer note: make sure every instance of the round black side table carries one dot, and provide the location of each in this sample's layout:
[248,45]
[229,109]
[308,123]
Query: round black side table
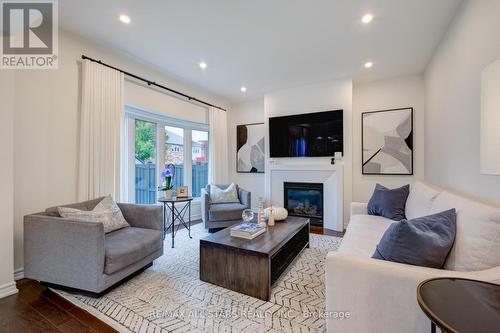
[176,214]
[460,305]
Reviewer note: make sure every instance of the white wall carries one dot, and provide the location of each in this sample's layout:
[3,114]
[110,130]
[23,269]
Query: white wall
[394,93]
[240,114]
[314,98]
[453,98]
[7,286]
[407,91]
[144,97]
[46,127]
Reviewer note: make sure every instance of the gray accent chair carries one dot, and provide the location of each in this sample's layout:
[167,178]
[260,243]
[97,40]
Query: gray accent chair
[222,215]
[79,255]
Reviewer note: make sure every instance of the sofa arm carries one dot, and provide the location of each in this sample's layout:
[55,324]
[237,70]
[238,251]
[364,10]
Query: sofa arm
[63,251]
[381,295]
[143,216]
[359,208]
[204,205]
[245,197]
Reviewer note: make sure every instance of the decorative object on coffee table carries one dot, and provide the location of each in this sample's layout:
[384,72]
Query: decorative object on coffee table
[252,266]
[247,215]
[279,213]
[176,215]
[270,221]
[168,175]
[387,142]
[460,305]
[247,230]
[261,218]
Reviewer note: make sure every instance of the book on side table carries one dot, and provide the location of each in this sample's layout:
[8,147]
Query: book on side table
[247,230]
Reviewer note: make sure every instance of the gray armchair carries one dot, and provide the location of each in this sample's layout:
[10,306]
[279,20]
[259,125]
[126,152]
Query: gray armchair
[78,255]
[223,215]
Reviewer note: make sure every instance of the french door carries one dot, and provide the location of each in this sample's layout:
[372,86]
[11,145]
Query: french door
[153,141]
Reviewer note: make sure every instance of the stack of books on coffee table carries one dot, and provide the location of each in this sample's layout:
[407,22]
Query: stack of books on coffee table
[247,230]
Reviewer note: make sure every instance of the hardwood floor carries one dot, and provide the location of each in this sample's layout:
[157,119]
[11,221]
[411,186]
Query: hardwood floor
[324,231]
[38,309]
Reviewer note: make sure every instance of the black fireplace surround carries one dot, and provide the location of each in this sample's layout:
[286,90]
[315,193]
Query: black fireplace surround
[304,200]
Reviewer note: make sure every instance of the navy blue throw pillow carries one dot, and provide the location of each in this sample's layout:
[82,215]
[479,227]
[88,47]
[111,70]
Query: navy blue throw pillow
[389,203]
[424,241]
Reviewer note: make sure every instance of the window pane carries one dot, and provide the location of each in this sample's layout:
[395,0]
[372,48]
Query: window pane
[174,152]
[200,161]
[145,162]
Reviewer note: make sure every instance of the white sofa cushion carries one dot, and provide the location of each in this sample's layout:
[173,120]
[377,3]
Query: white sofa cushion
[477,243]
[419,202]
[363,234]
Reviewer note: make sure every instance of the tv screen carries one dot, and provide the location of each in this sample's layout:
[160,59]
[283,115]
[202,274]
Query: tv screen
[307,135]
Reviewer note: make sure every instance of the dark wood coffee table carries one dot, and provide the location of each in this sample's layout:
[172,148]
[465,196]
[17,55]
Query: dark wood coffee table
[460,305]
[252,266]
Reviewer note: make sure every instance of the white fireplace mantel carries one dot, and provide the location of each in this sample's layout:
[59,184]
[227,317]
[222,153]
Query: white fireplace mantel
[331,176]
[306,167]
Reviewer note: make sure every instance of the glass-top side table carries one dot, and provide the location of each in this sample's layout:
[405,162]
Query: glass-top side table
[176,214]
[460,305]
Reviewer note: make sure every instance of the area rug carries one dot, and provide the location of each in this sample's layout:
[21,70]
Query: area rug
[169,297]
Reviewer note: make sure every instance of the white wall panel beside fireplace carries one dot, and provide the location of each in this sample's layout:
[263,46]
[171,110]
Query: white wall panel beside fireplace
[331,176]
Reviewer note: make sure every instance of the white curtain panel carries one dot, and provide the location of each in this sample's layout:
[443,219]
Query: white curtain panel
[101,125]
[218,156]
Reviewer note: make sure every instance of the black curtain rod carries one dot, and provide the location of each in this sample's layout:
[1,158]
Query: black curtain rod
[151,83]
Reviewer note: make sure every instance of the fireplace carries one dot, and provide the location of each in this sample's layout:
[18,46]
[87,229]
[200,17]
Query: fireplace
[305,200]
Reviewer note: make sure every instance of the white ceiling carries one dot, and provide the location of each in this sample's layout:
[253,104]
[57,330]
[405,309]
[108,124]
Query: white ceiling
[266,44]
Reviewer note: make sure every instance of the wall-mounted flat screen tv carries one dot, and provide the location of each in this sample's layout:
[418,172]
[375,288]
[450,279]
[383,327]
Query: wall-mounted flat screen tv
[307,135]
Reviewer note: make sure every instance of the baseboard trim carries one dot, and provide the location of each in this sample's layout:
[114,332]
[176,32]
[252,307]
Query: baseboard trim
[19,274]
[8,289]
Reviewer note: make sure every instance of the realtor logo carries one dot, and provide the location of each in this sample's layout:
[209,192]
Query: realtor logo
[29,35]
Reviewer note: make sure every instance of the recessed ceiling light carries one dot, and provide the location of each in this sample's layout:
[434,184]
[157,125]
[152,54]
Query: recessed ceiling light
[203,65]
[243,89]
[124,18]
[368,64]
[367,18]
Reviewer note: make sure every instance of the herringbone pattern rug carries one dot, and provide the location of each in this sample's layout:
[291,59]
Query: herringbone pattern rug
[169,297]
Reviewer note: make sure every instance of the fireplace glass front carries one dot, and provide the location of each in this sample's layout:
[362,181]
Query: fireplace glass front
[305,200]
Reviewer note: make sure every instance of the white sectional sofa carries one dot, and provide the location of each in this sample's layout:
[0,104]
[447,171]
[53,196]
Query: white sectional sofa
[380,296]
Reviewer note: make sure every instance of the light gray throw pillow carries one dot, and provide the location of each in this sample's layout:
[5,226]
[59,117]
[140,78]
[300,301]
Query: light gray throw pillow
[228,195]
[106,212]
[424,241]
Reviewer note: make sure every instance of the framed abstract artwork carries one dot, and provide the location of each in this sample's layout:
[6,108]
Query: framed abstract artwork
[250,148]
[387,142]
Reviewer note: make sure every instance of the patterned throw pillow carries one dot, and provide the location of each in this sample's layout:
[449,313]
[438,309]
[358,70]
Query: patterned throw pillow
[106,212]
[229,195]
